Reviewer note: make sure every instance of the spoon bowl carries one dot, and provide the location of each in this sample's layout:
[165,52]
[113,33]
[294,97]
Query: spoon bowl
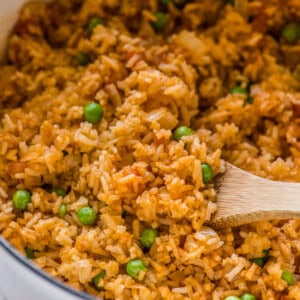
[244,198]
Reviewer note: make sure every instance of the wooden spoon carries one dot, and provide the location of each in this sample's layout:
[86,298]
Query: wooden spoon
[245,198]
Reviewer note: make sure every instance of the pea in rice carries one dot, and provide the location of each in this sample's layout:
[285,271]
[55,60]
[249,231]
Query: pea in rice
[115,197]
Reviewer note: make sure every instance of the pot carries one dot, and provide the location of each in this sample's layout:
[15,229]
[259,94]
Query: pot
[19,277]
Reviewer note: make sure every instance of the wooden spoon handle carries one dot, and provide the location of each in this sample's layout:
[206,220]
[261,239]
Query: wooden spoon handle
[245,198]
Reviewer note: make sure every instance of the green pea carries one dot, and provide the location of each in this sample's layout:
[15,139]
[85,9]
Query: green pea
[59,192]
[134,267]
[259,261]
[232,298]
[288,277]
[164,2]
[248,296]
[179,3]
[82,58]
[161,21]
[93,23]
[266,256]
[96,280]
[207,173]
[87,215]
[93,113]
[62,210]
[148,237]
[29,253]
[291,32]
[238,90]
[21,198]
[250,100]
[249,83]
[182,131]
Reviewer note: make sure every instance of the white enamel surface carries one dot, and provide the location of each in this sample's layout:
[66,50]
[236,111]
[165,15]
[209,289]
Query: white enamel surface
[18,281]
[8,14]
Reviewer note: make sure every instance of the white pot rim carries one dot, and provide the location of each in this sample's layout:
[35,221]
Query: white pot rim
[8,15]
[23,261]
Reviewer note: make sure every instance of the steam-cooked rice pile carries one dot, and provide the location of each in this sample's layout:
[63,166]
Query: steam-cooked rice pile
[128,167]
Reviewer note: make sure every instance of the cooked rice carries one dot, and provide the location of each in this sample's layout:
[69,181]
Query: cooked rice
[148,84]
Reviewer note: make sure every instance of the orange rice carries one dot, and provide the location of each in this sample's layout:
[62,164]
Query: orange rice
[128,167]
